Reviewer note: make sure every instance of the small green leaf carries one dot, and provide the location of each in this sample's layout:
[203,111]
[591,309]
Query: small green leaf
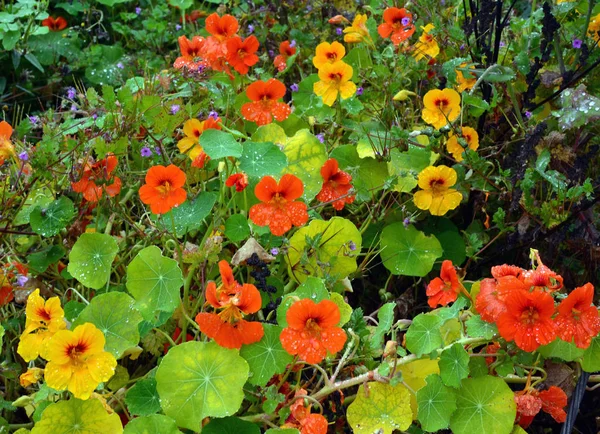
[152,424]
[385,318]
[436,403]
[51,220]
[454,365]
[478,328]
[345,308]
[189,215]
[407,165]
[237,228]
[40,261]
[230,425]
[260,159]
[91,259]
[142,399]
[423,336]
[219,144]
[76,416]
[306,155]
[591,356]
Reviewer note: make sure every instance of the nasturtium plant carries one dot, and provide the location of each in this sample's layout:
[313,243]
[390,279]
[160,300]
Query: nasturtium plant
[219,144]
[154,423]
[51,219]
[189,215]
[454,365]
[75,415]
[436,403]
[262,158]
[230,425]
[91,258]
[142,399]
[423,336]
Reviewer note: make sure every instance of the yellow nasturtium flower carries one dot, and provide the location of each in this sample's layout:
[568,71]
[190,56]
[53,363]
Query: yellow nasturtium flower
[436,194]
[77,361]
[43,320]
[358,31]
[327,53]
[30,377]
[427,44]
[455,148]
[335,78]
[193,129]
[464,83]
[594,28]
[441,107]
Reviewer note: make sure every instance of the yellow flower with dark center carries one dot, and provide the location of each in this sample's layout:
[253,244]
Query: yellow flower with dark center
[30,377]
[335,78]
[77,361]
[358,31]
[327,53]
[193,129]
[427,44]
[436,194]
[441,107]
[465,83]
[456,149]
[594,28]
[43,320]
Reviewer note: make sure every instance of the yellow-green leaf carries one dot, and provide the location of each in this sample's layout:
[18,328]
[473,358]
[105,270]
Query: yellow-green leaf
[306,155]
[77,416]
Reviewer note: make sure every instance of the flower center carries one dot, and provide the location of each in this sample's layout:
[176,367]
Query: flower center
[441,103]
[165,188]
[530,316]
[335,76]
[332,56]
[278,201]
[231,314]
[43,313]
[312,328]
[75,352]
[428,38]
[436,183]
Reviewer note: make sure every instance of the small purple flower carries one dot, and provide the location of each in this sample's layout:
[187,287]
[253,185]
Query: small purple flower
[157,150]
[250,28]
[213,114]
[577,43]
[24,156]
[274,251]
[271,53]
[95,116]
[528,114]
[294,87]
[406,222]
[502,44]
[177,26]
[71,92]
[352,246]
[339,31]
[34,121]
[22,280]
[138,10]
[174,109]
[146,152]
[462,47]
[120,65]
[405,21]
[359,91]
[73,108]
[293,43]
[321,137]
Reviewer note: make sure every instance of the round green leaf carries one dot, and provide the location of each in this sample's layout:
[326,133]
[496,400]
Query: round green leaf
[260,159]
[383,410]
[197,380]
[560,349]
[142,399]
[230,425]
[345,308]
[237,228]
[454,365]
[423,336]
[484,405]
[91,258]
[270,133]
[52,219]
[306,155]
[153,424]
[218,144]
[189,215]
[408,251]
[41,197]
[154,281]
[266,357]
[76,416]
[478,328]
[327,244]
[591,356]
[450,239]
[436,404]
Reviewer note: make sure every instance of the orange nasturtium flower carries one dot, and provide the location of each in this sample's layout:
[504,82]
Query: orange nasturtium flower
[312,330]
[302,419]
[191,53]
[436,194]
[98,178]
[33,375]
[444,289]
[335,78]
[228,328]
[336,185]
[528,319]
[530,401]
[190,144]
[327,53]
[77,360]
[6,147]
[441,107]
[578,317]
[242,54]
[358,31]
[427,44]
[398,23]
[163,189]
[278,208]
[456,149]
[265,105]
[285,52]
[42,320]
[464,83]
[222,28]
[240,180]
[55,24]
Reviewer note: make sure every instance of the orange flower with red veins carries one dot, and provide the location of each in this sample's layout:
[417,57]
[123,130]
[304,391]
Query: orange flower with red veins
[578,317]
[506,270]
[241,54]
[302,419]
[191,53]
[336,185]
[265,106]
[279,209]
[528,319]
[163,189]
[444,289]
[543,278]
[222,28]
[312,330]
[240,180]
[55,24]
[285,52]
[493,292]
[97,178]
[398,23]
[228,328]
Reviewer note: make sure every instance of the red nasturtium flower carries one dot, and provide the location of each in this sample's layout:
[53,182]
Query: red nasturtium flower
[398,23]
[492,293]
[312,330]
[55,24]
[264,106]
[531,401]
[285,52]
[98,178]
[302,419]
[279,209]
[542,278]
[444,289]
[191,53]
[336,185]
[215,48]
[6,147]
[528,319]
[228,328]
[241,54]
[240,180]
[163,189]
[578,317]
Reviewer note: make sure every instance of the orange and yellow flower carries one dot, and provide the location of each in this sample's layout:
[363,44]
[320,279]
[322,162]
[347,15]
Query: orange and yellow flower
[444,289]
[464,83]
[397,23]
[96,180]
[336,185]
[578,317]
[193,129]
[358,31]
[278,208]
[191,53]
[334,79]
[239,180]
[163,189]
[242,54]
[471,137]
[302,419]
[312,330]
[436,194]
[31,376]
[441,107]
[77,361]
[594,28]
[427,45]
[6,147]
[228,328]
[285,52]
[265,105]
[327,53]
[42,320]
